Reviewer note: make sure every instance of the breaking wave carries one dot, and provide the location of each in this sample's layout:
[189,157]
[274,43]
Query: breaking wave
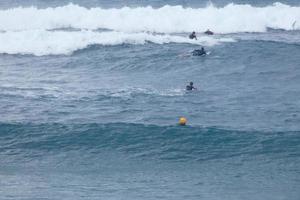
[42,42]
[167,19]
[63,30]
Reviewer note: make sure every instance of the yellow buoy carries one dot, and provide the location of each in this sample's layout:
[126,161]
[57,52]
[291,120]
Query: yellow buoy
[182,121]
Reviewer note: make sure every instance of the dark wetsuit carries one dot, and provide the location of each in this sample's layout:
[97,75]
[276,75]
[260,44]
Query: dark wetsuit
[208,32]
[199,52]
[190,87]
[193,36]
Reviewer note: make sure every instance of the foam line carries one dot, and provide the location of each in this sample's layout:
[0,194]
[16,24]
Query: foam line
[231,18]
[41,42]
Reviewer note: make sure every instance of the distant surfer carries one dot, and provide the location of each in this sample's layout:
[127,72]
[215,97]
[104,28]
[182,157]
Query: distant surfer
[193,35]
[199,52]
[208,32]
[190,87]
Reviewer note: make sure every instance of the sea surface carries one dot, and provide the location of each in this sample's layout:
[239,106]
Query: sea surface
[91,92]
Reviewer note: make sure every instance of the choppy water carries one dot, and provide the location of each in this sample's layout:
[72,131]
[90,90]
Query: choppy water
[91,91]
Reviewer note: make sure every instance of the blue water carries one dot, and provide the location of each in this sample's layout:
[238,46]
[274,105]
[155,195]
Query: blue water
[99,121]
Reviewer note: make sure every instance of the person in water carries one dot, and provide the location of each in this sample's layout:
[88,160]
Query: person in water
[191,87]
[199,52]
[193,35]
[208,32]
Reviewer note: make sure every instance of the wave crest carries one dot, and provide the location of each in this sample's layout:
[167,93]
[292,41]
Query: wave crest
[167,19]
[41,42]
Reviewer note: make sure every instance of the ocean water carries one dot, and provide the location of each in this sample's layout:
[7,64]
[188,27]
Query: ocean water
[91,93]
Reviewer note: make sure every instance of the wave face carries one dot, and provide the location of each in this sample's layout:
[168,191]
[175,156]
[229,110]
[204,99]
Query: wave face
[167,19]
[82,158]
[98,118]
[27,141]
[41,42]
[52,31]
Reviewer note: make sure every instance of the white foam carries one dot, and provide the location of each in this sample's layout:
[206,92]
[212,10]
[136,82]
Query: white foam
[41,42]
[167,19]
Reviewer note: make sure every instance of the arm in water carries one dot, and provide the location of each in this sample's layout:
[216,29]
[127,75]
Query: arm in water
[190,87]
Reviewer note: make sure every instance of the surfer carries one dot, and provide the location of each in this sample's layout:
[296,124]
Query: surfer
[191,87]
[193,35]
[208,32]
[199,52]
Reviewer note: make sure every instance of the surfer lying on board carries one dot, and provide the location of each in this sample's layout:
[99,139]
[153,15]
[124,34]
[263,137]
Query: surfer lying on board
[199,52]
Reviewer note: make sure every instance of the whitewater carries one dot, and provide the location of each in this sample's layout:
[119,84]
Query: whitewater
[40,42]
[91,93]
[167,19]
[51,31]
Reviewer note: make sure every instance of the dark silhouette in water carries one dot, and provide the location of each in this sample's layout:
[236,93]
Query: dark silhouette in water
[199,52]
[193,35]
[208,32]
[191,87]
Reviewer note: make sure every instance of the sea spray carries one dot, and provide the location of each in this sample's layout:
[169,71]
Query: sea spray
[167,19]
